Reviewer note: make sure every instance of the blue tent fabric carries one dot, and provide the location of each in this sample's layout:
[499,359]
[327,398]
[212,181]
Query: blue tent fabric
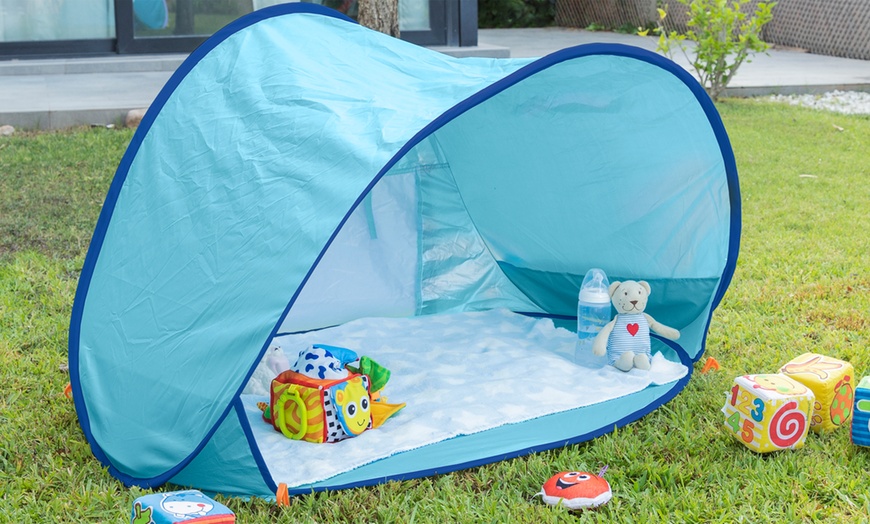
[274,132]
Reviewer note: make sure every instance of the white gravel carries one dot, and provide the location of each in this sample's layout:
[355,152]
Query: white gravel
[848,102]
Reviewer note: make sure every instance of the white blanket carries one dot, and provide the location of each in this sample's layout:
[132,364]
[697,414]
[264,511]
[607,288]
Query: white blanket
[459,374]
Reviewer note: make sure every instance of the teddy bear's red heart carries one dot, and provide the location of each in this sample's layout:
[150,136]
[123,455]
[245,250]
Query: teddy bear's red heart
[632,329]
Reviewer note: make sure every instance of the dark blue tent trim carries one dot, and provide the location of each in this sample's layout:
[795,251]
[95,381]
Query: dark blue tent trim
[446,117]
[252,443]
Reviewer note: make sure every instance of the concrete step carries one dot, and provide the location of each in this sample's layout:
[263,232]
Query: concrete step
[91,65]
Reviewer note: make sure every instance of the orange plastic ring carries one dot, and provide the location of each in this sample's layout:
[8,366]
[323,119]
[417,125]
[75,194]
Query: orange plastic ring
[280,414]
[67,390]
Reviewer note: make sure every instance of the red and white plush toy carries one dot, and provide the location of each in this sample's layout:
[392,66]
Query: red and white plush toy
[576,490]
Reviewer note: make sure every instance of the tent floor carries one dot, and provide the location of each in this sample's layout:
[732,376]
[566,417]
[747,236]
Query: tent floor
[477,385]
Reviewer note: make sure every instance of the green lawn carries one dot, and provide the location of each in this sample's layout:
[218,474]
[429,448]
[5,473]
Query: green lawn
[802,284]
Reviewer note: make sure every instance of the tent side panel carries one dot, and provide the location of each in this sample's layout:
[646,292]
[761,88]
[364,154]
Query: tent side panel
[600,158]
[226,464]
[601,161]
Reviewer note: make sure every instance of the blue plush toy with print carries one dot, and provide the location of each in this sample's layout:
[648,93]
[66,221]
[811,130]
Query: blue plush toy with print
[180,506]
[324,362]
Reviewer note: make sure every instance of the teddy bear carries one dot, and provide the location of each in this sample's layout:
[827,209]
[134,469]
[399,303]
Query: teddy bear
[625,339]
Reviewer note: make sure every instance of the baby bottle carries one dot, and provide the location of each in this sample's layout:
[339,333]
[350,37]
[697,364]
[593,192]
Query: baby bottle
[593,309]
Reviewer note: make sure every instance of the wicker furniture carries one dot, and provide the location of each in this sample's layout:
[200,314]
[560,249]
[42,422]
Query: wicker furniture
[829,27]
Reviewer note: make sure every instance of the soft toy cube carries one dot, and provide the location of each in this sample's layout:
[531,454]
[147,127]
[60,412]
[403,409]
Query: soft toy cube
[768,412]
[179,506]
[861,414]
[320,410]
[830,379]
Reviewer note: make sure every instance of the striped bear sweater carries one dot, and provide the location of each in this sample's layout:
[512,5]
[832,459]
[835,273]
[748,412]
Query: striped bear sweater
[630,333]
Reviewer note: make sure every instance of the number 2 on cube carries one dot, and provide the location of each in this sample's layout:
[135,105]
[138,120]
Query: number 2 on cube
[757,414]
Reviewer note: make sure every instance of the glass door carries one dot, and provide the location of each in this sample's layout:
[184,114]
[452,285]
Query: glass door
[159,26]
[423,22]
[88,27]
[51,27]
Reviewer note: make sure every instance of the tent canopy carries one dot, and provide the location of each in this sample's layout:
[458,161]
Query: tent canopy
[300,171]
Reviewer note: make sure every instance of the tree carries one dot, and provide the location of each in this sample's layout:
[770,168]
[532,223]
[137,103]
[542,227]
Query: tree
[380,15]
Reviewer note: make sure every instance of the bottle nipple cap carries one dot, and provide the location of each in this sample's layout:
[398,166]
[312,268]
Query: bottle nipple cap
[594,287]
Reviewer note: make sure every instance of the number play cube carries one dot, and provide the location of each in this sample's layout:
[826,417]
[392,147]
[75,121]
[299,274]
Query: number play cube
[861,415]
[831,381]
[768,412]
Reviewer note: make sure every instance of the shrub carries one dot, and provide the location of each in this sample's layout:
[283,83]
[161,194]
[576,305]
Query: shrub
[724,35]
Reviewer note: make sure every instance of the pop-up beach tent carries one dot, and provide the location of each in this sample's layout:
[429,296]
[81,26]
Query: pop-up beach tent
[303,180]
